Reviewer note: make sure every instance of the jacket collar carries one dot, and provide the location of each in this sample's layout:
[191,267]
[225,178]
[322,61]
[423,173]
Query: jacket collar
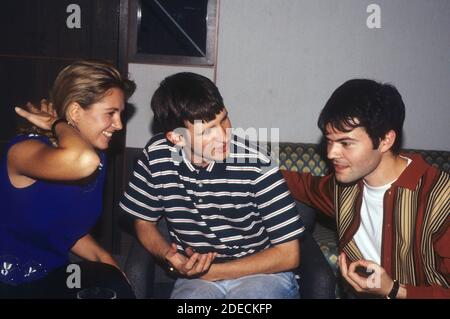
[412,174]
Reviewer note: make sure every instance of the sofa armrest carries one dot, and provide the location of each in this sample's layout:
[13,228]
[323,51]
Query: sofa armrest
[308,215]
[317,279]
[140,270]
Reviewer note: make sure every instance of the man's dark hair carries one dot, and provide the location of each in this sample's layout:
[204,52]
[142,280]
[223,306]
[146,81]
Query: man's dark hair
[185,97]
[376,107]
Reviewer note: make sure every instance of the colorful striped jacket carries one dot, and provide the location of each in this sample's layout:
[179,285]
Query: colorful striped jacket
[416,235]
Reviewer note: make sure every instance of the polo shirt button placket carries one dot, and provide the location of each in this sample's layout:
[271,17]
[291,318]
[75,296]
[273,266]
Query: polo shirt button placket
[200,185]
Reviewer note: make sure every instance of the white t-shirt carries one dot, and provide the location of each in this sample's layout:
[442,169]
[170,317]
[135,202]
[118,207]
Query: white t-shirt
[368,235]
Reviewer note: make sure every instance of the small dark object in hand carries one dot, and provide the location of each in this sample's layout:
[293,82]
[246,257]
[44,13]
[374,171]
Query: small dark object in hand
[363,271]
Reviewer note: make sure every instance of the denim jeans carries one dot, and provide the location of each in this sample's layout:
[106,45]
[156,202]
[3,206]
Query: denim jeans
[281,285]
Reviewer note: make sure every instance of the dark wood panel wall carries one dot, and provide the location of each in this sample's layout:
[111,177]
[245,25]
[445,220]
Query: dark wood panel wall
[38,28]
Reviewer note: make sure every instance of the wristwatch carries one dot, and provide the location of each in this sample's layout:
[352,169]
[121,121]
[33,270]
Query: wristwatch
[394,291]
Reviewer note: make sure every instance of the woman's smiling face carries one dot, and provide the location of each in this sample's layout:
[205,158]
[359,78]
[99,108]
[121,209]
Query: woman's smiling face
[98,122]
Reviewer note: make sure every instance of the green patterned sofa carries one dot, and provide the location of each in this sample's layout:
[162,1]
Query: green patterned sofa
[311,158]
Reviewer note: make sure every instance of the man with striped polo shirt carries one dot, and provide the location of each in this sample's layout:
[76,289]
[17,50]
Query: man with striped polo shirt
[233,224]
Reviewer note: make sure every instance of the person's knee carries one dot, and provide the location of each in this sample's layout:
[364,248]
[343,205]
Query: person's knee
[196,289]
[271,286]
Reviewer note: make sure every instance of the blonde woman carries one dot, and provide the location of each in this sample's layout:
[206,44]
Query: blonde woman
[51,183]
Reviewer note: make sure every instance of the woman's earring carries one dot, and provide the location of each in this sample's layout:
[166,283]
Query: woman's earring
[72,123]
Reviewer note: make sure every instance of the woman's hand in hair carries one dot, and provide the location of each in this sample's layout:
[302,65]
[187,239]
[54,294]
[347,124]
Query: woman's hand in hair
[43,117]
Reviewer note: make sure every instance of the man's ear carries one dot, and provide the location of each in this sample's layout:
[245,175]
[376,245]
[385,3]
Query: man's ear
[176,138]
[388,140]
[73,113]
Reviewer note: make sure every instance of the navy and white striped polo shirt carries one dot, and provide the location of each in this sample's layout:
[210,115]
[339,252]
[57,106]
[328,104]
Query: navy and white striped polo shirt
[235,208]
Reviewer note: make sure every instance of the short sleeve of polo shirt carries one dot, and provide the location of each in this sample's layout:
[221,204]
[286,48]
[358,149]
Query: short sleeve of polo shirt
[277,207]
[140,198]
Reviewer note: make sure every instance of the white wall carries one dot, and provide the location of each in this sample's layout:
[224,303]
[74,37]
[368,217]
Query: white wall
[279,61]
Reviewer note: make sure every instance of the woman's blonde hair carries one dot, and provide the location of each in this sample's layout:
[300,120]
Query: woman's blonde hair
[86,83]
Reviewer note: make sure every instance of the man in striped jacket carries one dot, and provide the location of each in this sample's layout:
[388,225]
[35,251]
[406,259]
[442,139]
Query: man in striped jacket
[391,209]
[233,224]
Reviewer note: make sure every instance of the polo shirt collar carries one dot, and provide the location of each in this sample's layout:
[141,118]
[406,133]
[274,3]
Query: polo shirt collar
[191,166]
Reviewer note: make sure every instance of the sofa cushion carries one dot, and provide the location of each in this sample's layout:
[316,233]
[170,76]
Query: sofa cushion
[301,157]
